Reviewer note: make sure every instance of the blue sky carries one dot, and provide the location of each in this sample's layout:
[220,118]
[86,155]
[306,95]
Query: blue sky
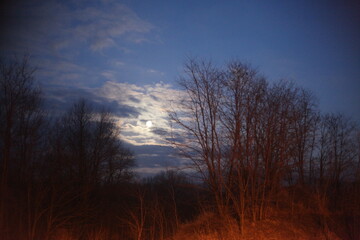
[128,54]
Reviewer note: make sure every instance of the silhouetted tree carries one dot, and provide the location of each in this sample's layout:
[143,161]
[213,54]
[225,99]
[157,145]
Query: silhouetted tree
[85,153]
[251,141]
[21,122]
[198,115]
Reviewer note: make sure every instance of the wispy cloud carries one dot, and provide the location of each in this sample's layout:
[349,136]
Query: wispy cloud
[102,27]
[62,25]
[133,106]
[152,159]
[68,40]
[153,71]
[151,101]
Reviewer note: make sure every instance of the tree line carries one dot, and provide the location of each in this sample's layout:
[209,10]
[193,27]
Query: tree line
[68,175]
[53,170]
[261,145]
[260,148]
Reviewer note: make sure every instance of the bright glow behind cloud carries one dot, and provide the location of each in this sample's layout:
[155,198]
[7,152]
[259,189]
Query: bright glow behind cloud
[151,101]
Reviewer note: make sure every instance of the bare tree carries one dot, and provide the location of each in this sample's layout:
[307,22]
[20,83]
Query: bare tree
[199,118]
[21,120]
[304,130]
[84,154]
[88,141]
[245,136]
[244,94]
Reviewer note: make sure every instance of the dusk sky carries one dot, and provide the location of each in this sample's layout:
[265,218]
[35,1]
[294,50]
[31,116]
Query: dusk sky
[128,55]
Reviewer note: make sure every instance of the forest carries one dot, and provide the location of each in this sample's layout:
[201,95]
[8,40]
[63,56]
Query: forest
[265,162]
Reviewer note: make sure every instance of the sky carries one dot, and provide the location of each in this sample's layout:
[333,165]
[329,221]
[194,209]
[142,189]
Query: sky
[128,55]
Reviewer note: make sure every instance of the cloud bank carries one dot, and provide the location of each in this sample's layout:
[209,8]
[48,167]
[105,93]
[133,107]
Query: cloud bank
[133,105]
[152,102]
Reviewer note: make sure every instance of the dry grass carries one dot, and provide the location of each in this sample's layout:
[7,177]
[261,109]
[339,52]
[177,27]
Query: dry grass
[208,227]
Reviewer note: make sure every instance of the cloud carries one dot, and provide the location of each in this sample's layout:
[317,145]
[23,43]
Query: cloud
[70,40]
[134,99]
[160,131]
[110,75]
[54,25]
[152,102]
[102,43]
[133,106]
[153,71]
[117,63]
[103,26]
[127,111]
[152,159]
[61,72]
[60,98]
